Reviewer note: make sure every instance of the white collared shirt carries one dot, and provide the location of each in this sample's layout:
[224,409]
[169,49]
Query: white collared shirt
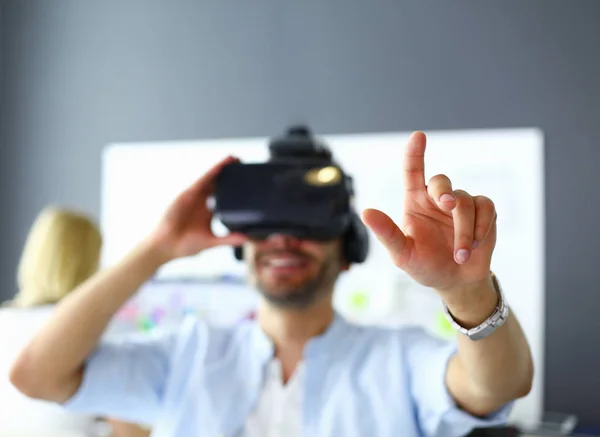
[356,381]
[279,409]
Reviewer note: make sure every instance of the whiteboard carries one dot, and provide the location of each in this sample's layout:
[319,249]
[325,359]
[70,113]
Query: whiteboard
[139,180]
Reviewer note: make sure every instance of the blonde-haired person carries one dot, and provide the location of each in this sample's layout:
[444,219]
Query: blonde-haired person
[61,251]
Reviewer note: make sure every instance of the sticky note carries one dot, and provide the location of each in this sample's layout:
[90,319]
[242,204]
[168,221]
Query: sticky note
[443,326]
[145,323]
[359,300]
[157,315]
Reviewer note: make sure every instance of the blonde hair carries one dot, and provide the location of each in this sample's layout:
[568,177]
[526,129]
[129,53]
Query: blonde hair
[61,251]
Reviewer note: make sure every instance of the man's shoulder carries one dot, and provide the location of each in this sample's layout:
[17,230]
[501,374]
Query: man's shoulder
[405,331]
[215,341]
[245,337]
[404,336]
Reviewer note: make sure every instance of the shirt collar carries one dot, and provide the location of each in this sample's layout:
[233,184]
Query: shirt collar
[335,336]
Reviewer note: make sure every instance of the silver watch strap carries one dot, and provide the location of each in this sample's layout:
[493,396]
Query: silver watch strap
[493,322]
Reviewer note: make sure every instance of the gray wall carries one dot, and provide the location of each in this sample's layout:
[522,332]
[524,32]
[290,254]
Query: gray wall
[3,155]
[80,74]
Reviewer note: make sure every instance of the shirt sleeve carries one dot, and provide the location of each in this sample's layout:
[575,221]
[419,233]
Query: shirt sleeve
[125,378]
[438,413]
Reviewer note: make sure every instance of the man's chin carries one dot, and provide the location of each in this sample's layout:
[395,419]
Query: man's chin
[281,287]
[289,298]
[281,294]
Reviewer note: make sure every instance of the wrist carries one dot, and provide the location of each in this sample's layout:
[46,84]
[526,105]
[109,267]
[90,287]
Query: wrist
[471,304]
[154,253]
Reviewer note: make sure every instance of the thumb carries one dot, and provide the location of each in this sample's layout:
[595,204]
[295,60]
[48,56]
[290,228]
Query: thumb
[390,235]
[233,239]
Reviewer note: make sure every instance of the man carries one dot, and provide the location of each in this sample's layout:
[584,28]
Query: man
[299,369]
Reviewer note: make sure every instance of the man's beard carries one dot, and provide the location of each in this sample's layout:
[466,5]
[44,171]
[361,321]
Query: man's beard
[305,294]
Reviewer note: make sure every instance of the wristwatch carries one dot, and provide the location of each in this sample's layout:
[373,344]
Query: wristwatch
[493,322]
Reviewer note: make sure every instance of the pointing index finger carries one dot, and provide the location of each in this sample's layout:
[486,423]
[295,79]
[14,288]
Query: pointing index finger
[414,162]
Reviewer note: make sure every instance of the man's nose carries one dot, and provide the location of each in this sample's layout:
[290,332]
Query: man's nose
[282,241]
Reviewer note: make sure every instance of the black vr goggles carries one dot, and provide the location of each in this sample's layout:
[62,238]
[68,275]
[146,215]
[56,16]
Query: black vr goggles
[299,191]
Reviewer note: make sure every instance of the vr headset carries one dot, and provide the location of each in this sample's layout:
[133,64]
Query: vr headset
[299,191]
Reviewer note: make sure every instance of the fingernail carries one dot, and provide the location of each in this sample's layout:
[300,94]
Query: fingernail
[475,244]
[447,198]
[462,255]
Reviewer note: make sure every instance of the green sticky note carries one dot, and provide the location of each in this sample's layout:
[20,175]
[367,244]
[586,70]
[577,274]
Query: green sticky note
[443,326]
[145,324]
[359,300]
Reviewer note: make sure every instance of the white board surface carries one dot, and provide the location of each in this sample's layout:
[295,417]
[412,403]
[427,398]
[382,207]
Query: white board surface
[139,180]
